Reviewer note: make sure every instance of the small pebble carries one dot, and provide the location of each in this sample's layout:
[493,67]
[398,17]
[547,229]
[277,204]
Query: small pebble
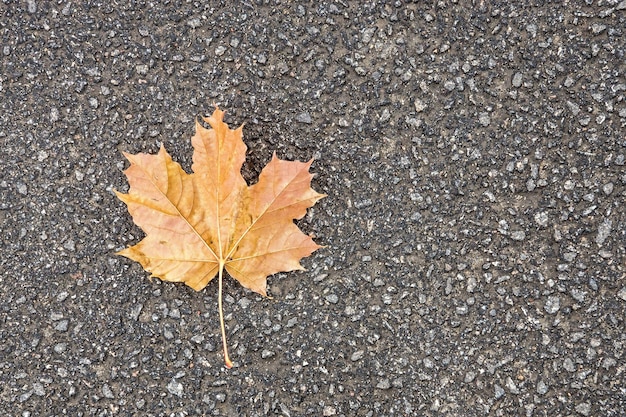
[569,366]
[70,245]
[38,389]
[62,326]
[597,28]
[267,354]
[194,23]
[329,411]
[517,80]
[304,118]
[135,311]
[56,316]
[21,188]
[54,117]
[578,295]
[24,397]
[542,388]
[385,116]
[332,298]
[419,105]
[32,6]
[573,107]
[484,119]
[607,188]
[499,391]
[604,231]
[584,409]
[106,391]
[471,284]
[384,384]
[219,51]
[167,333]
[243,302]
[511,386]
[542,218]
[141,69]
[553,304]
[175,388]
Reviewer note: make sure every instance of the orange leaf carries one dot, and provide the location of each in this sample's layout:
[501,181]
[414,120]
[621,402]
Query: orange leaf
[199,224]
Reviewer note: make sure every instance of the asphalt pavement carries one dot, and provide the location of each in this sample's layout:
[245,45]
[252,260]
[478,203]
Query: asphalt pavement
[473,154]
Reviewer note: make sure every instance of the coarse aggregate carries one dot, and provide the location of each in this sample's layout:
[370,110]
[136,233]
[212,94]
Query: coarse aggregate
[473,153]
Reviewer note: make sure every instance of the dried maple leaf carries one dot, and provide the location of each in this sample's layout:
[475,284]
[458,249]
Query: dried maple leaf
[199,224]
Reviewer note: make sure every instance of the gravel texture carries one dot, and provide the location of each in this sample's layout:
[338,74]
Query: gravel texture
[475,231]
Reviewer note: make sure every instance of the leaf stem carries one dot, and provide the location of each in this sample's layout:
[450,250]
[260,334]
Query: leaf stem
[227,360]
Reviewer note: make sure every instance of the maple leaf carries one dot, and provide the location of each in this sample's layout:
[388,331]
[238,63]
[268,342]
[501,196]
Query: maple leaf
[198,225]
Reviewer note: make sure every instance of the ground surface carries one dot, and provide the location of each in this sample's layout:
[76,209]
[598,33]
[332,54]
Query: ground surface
[474,159]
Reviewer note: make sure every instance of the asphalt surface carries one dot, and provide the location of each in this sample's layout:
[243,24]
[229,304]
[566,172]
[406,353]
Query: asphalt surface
[474,160]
